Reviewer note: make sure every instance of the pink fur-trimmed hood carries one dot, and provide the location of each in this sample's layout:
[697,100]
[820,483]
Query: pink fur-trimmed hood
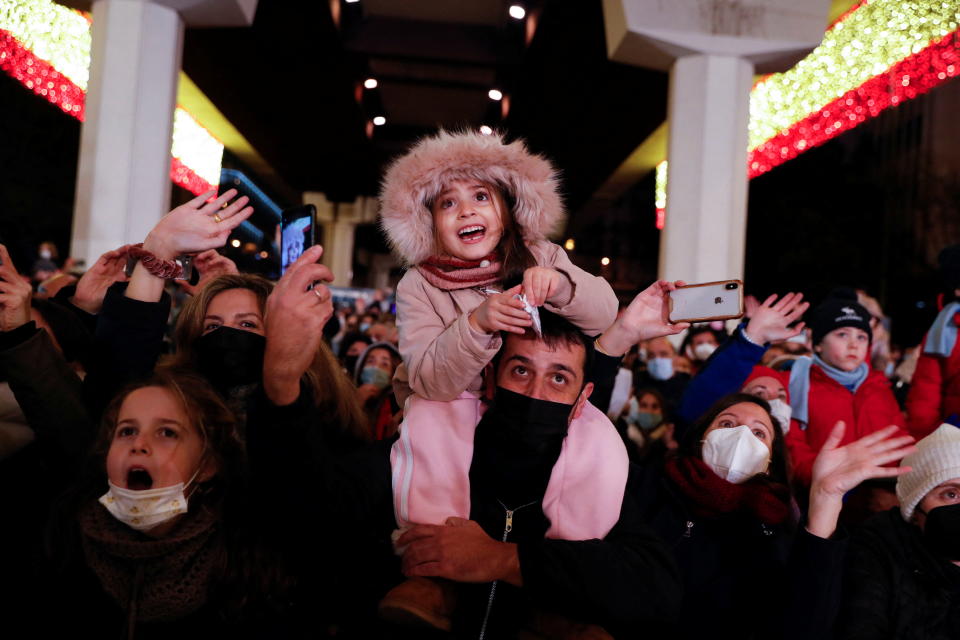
[418,177]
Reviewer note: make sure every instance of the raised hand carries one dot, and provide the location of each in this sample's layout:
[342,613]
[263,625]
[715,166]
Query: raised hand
[644,318]
[295,316]
[540,284]
[15,294]
[197,225]
[93,285]
[501,312]
[770,321]
[837,470]
[209,264]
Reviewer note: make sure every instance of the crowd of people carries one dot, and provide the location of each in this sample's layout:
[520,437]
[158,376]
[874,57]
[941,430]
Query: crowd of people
[503,448]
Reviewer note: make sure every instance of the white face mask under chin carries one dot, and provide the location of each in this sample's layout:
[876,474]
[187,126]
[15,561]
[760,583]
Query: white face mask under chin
[735,454]
[143,510]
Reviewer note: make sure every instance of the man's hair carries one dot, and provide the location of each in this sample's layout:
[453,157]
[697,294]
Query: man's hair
[558,331]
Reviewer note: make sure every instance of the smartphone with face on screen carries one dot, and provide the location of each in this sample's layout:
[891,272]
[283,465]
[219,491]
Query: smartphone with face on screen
[706,302]
[297,233]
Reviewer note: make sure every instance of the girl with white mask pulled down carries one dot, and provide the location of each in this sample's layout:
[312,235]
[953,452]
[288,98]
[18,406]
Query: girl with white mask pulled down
[750,568]
[158,536]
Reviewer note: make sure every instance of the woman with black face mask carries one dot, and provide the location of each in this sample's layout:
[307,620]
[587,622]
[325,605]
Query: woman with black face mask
[223,331]
[902,578]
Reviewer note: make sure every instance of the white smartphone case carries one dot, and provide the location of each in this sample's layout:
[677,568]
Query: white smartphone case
[707,301]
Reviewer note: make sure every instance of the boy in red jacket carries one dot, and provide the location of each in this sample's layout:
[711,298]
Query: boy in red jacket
[837,384]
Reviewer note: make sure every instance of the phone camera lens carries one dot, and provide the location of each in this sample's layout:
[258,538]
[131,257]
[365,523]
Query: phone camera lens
[731,286]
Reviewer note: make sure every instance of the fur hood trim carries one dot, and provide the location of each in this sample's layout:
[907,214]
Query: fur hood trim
[418,177]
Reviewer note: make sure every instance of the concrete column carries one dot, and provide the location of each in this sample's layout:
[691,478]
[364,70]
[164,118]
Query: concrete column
[338,252]
[709,106]
[123,183]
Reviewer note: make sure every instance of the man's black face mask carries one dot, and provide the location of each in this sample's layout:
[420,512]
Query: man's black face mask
[231,357]
[528,420]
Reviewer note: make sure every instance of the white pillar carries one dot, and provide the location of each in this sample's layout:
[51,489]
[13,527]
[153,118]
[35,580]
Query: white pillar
[338,250]
[123,178]
[709,110]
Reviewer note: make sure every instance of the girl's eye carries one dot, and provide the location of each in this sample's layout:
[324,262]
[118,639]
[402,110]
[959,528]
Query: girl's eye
[125,432]
[167,432]
[446,204]
[211,326]
[482,195]
[760,433]
[950,494]
[248,324]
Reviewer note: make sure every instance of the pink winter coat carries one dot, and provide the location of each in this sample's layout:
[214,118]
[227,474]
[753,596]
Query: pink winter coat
[444,356]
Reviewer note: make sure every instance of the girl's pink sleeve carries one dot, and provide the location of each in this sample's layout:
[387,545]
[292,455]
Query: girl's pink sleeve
[439,361]
[588,302]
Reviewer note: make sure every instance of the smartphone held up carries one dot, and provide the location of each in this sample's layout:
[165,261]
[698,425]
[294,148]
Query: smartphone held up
[706,302]
[298,233]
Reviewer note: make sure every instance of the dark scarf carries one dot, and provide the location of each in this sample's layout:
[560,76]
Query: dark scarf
[450,274]
[152,579]
[712,496]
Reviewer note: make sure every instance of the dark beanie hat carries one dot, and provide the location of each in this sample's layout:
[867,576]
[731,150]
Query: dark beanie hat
[949,261]
[840,309]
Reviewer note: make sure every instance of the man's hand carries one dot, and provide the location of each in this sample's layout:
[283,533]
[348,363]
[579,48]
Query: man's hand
[837,470]
[459,550]
[646,317]
[93,285]
[209,265]
[15,295]
[501,312]
[294,320]
[770,322]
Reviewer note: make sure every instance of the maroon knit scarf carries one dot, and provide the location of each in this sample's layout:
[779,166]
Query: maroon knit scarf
[450,274]
[712,496]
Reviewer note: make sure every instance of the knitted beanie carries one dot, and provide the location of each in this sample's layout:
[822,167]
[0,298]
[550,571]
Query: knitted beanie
[936,460]
[840,309]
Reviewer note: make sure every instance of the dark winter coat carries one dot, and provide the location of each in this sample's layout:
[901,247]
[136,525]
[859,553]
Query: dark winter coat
[894,587]
[741,578]
[626,582]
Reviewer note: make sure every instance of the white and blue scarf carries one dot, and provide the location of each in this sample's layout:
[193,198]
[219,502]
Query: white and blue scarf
[800,383]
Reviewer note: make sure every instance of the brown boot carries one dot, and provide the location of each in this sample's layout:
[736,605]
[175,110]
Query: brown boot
[420,602]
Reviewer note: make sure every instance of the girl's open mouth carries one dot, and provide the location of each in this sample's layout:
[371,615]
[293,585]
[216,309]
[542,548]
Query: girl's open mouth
[139,479]
[473,233]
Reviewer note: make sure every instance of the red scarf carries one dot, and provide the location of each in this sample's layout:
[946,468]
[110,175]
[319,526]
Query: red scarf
[451,274]
[712,496]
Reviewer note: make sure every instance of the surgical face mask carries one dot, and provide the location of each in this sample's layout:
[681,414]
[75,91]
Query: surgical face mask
[646,420]
[364,326]
[143,510]
[889,369]
[782,412]
[231,357]
[735,454]
[942,531]
[660,368]
[375,376]
[46,254]
[704,350]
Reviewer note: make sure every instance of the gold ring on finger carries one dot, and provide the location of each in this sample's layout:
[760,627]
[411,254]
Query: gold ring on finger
[217,218]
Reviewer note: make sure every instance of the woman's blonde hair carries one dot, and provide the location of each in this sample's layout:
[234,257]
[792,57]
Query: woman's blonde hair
[330,386]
